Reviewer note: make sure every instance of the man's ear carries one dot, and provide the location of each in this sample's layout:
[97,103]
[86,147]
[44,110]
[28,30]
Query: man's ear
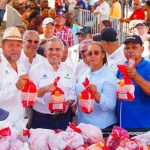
[142,48]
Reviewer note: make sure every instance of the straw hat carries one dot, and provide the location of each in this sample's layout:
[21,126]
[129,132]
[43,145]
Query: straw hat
[12,33]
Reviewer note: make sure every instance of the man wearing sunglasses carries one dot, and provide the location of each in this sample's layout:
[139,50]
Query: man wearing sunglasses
[29,54]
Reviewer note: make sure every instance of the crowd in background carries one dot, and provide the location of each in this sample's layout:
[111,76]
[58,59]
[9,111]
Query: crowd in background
[50,42]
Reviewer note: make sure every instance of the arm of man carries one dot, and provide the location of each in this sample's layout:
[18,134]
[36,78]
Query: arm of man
[43,90]
[9,92]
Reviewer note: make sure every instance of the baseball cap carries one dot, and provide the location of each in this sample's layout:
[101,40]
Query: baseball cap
[60,13]
[134,38]
[108,34]
[97,37]
[3,114]
[48,20]
[141,22]
[84,30]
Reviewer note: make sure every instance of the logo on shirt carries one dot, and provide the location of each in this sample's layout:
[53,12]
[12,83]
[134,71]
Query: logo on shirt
[67,76]
[44,76]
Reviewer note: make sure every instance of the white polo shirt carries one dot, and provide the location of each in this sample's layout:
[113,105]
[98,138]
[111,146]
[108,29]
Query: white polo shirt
[80,69]
[43,75]
[73,56]
[116,58]
[104,10]
[37,59]
[9,95]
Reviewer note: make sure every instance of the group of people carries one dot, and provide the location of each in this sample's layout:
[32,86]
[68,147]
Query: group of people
[71,53]
[20,62]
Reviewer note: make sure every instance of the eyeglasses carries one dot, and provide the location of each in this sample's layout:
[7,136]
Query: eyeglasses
[91,53]
[135,4]
[35,42]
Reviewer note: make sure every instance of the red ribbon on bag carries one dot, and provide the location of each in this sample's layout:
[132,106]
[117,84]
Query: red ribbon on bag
[5,132]
[74,128]
[26,133]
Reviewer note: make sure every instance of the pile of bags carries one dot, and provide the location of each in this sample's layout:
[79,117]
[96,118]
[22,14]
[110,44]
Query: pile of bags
[81,137]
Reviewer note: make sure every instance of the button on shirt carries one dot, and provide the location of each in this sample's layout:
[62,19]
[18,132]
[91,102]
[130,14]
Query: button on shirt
[9,95]
[25,60]
[117,57]
[43,75]
[103,114]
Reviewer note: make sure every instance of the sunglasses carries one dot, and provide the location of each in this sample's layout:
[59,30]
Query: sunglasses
[35,42]
[135,4]
[91,53]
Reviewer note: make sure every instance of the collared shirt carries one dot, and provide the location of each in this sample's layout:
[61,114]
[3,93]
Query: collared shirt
[37,59]
[80,69]
[138,15]
[104,10]
[81,2]
[115,10]
[9,95]
[136,114]
[66,35]
[73,56]
[103,114]
[75,28]
[117,57]
[43,75]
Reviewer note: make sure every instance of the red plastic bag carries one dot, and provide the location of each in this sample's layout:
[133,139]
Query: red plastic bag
[57,99]
[28,94]
[86,98]
[125,87]
[118,134]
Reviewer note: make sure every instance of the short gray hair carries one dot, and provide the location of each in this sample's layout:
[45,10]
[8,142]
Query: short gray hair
[30,32]
[55,39]
[85,42]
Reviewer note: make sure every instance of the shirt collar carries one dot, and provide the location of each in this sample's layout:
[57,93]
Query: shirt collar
[50,66]
[142,62]
[115,53]
[24,56]
[99,71]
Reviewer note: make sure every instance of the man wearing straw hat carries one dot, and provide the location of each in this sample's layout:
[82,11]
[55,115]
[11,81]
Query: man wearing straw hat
[12,76]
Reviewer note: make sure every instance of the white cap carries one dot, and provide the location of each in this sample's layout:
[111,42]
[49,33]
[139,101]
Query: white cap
[48,20]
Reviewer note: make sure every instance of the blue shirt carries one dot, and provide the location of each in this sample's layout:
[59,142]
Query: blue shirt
[74,31]
[136,114]
[81,3]
[104,112]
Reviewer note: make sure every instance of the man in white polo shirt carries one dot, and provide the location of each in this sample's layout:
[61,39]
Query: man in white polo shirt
[29,54]
[12,76]
[43,76]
